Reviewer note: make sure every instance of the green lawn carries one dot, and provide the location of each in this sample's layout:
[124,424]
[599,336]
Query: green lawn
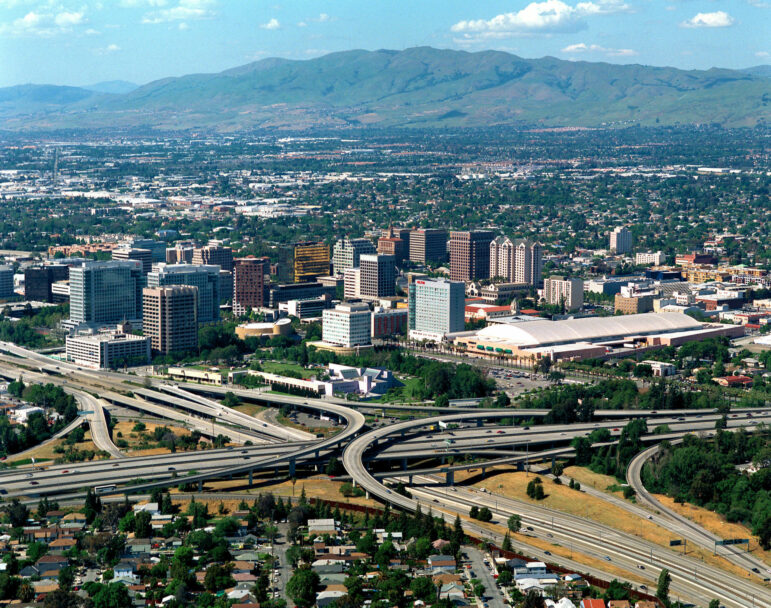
[276,367]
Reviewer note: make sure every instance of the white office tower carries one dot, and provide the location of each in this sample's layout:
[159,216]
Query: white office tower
[347,325]
[502,258]
[347,253]
[528,263]
[437,308]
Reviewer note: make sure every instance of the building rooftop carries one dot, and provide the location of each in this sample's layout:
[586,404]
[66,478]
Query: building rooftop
[545,333]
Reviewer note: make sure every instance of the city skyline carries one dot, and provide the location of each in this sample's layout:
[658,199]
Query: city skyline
[84,43]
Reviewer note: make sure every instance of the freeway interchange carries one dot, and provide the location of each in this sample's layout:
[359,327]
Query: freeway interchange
[369,456]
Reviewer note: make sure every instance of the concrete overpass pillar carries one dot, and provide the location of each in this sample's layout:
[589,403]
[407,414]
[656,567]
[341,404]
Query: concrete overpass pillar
[479,423]
[484,470]
[520,466]
[291,467]
[409,479]
[404,464]
[552,461]
[450,480]
[366,494]
[200,486]
[251,478]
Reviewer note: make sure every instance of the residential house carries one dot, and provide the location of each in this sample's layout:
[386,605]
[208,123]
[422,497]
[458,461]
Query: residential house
[441,563]
[327,598]
[592,603]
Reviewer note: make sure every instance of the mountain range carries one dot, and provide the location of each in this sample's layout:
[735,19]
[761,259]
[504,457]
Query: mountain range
[420,87]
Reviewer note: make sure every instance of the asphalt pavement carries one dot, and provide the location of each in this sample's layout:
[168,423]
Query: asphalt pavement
[493,595]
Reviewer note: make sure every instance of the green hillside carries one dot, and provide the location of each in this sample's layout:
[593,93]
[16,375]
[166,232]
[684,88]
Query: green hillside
[422,87]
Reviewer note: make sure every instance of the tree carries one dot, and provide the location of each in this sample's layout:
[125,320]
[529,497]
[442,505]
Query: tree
[423,588]
[112,595]
[26,592]
[62,599]
[714,604]
[617,591]
[17,513]
[442,400]
[66,578]
[218,577]
[506,546]
[142,525]
[302,587]
[514,523]
[485,514]
[662,589]
[534,599]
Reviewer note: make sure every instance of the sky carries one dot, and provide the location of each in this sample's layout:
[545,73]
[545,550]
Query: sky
[81,42]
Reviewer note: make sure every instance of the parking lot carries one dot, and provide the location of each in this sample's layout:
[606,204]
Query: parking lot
[515,381]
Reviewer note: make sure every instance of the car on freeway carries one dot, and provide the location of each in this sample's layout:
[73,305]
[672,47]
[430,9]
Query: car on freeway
[500,432]
[547,552]
[33,483]
[606,558]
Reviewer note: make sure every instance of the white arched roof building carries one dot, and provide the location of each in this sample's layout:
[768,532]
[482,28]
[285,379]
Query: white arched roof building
[588,329]
[589,336]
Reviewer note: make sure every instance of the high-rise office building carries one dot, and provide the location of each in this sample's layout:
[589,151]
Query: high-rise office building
[470,254]
[205,278]
[145,256]
[214,255]
[347,325]
[226,286]
[347,253]
[411,278]
[39,279]
[395,243]
[303,262]
[437,308]
[560,291]
[103,293]
[528,262]
[158,248]
[378,276]
[502,258]
[352,283]
[179,255]
[428,245]
[249,283]
[621,240]
[6,281]
[171,318]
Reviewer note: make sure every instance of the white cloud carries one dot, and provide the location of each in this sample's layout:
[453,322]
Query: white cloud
[582,47]
[273,24]
[184,10]
[183,26]
[763,54]
[323,18]
[112,48]
[92,32]
[716,19]
[43,24]
[68,19]
[546,17]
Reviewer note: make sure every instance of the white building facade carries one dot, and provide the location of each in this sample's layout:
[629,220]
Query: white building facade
[347,325]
